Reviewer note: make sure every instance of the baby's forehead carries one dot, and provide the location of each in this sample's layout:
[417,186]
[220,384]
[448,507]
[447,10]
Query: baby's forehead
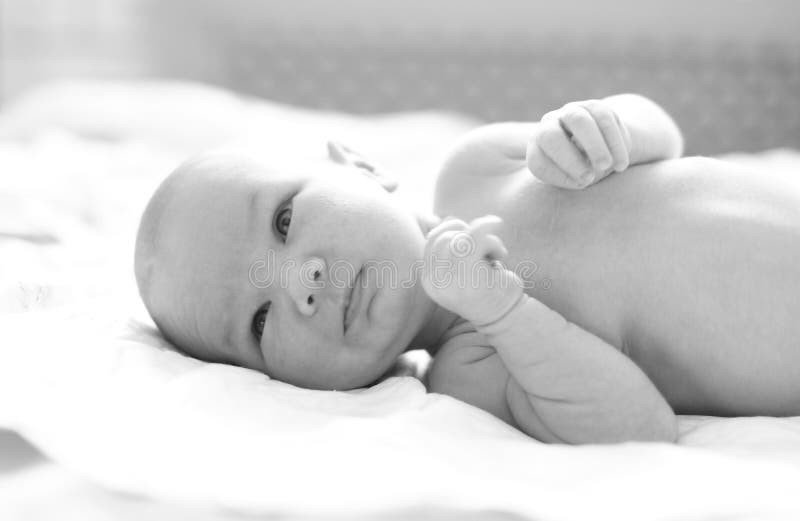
[232,170]
[267,167]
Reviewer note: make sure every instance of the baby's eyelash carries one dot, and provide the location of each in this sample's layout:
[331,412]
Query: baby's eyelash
[259,320]
[283,211]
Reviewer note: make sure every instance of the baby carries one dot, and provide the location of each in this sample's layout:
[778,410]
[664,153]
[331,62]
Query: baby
[586,284]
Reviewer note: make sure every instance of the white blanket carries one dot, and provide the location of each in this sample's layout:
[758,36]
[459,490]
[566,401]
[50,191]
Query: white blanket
[84,375]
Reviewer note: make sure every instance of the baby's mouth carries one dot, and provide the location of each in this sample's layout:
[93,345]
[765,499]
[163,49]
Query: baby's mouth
[352,301]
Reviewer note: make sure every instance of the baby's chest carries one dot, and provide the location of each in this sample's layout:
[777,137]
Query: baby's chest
[556,242]
[525,205]
[467,197]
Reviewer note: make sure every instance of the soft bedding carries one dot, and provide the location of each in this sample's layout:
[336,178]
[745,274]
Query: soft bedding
[87,379]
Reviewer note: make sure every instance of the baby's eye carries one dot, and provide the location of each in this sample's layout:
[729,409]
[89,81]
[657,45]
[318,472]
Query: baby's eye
[259,319]
[283,218]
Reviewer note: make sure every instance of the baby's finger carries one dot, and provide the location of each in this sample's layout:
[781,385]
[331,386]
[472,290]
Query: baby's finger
[559,148]
[448,223]
[544,169]
[453,244]
[612,129]
[488,245]
[484,225]
[550,116]
[585,131]
[491,248]
[439,237]
[557,113]
[626,135]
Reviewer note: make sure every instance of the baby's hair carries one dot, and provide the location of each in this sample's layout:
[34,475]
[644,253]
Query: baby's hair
[148,245]
[155,259]
[149,257]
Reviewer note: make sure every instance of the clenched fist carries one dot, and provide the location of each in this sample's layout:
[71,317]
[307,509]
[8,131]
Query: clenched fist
[579,144]
[464,271]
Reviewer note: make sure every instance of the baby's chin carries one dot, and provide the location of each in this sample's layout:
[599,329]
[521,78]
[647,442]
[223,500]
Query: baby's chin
[340,383]
[356,376]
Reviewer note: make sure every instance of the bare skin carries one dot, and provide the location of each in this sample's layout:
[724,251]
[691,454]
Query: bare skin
[689,266]
[668,286]
[661,285]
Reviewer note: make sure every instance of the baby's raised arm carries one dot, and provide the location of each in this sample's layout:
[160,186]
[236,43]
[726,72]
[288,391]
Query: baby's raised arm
[574,146]
[654,134]
[587,140]
[566,384]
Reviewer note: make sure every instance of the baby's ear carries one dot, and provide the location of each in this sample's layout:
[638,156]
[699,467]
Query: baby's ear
[346,156]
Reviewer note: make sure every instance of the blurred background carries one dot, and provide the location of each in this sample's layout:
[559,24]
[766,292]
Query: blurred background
[728,70]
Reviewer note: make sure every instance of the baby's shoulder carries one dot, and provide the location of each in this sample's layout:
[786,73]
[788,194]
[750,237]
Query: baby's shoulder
[477,168]
[490,150]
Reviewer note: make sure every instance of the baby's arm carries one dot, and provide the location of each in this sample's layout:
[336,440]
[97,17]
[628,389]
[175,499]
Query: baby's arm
[566,385]
[573,146]
[654,134]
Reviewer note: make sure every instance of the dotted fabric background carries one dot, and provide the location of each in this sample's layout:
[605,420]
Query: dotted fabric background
[724,98]
[727,93]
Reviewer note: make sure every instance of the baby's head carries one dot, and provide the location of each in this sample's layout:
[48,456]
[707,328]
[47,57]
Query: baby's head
[250,262]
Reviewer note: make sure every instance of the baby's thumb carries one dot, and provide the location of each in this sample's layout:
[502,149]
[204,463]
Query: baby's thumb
[544,169]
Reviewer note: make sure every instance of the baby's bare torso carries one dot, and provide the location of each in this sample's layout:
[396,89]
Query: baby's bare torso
[690,266]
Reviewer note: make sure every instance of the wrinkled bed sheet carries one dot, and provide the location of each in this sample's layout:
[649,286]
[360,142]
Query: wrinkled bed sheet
[86,378]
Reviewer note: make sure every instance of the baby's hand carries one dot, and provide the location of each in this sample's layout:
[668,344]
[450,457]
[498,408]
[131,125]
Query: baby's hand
[579,144]
[464,271]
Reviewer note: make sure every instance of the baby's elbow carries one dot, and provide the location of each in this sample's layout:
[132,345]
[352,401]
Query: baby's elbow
[662,426]
[669,428]
[677,143]
[652,423]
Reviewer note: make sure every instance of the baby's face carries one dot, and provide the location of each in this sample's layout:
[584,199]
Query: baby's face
[307,272]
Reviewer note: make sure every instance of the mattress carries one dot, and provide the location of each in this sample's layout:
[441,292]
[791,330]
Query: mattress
[128,426]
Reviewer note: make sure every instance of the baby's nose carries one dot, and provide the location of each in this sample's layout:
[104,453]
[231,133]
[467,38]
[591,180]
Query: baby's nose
[306,287]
